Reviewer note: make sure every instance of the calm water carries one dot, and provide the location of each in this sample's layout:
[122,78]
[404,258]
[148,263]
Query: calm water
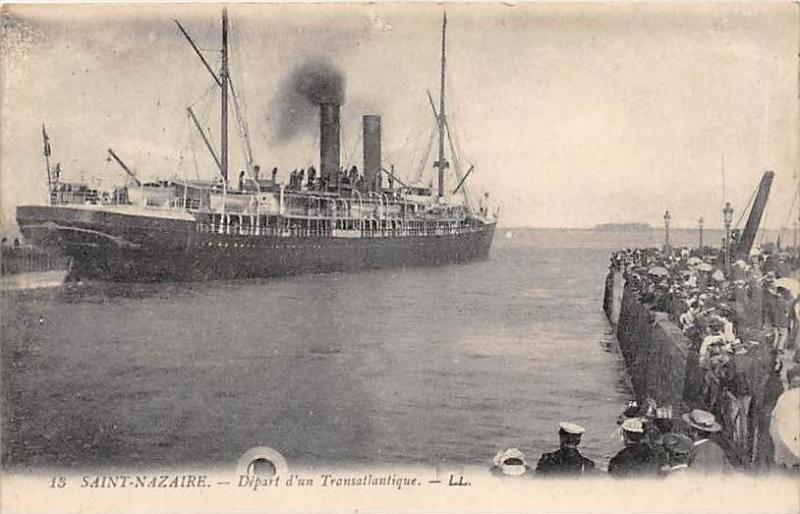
[423,366]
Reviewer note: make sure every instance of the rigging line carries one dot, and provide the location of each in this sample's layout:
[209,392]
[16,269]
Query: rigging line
[194,154]
[424,161]
[204,116]
[750,201]
[240,109]
[457,135]
[789,214]
[203,95]
[355,146]
[457,169]
[391,154]
[454,103]
[244,133]
[245,42]
[785,225]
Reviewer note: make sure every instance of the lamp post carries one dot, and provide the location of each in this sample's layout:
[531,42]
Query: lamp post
[727,214]
[700,223]
[667,219]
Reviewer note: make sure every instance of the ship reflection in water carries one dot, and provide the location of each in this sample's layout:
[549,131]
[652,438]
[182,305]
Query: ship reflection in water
[420,365]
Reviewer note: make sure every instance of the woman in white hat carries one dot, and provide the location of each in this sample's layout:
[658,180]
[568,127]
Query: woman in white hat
[510,462]
[707,456]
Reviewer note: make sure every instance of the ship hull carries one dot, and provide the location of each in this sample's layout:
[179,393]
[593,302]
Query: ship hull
[132,248]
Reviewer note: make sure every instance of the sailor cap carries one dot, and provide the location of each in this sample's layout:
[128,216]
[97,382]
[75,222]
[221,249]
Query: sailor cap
[571,428]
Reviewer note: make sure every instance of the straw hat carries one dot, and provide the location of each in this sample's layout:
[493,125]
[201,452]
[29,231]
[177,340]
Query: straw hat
[702,420]
[633,425]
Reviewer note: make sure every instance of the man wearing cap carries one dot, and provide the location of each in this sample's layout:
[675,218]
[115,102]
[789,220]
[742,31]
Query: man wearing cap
[637,458]
[567,460]
[707,456]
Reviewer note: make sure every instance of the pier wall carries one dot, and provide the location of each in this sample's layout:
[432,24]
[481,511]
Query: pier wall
[654,349]
[662,366]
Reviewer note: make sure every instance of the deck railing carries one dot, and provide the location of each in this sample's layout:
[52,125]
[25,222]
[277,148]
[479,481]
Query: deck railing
[297,231]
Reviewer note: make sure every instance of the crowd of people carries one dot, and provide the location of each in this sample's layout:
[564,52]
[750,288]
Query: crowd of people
[750,308]
[310,180]
[656,445]
[737,314]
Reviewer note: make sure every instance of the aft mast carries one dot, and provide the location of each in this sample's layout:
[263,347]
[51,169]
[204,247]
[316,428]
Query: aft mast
[441,163]
[223,79]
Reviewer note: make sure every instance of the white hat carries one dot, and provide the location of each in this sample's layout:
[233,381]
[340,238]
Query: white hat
[571,428]
[511,462]
[633,425]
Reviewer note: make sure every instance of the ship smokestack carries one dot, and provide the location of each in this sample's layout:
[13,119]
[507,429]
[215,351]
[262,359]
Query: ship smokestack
[329,143]
[372,150]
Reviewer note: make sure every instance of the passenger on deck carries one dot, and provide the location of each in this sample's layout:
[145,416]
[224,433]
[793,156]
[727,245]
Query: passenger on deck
[301,177]
[241,180]
[274,174]
[636,459]
[293,179]
[312,177]
[256,171]
[567,460]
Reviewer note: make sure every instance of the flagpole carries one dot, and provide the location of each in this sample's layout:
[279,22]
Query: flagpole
[46,141]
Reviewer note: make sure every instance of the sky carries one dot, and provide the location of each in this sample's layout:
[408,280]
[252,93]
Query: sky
[572,114]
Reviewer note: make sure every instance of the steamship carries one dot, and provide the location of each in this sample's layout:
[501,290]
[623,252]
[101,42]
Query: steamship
[180,230]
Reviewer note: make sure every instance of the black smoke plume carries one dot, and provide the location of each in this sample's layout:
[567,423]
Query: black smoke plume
[296,106]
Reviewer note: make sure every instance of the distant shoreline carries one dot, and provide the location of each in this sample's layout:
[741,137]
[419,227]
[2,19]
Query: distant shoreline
[623,227]
[648,229]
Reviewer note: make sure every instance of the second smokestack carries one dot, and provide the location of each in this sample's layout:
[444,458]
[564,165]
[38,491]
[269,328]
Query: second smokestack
[329,143]
[372,150]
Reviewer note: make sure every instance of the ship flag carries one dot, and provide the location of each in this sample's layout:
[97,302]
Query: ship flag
[46,142]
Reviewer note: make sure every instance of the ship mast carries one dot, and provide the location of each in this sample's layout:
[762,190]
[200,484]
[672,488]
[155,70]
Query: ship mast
[223,79]
[441,163]
[223,82]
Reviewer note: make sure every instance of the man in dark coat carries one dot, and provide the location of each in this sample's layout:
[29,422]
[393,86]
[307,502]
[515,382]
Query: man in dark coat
[567,460]
[637,459]
[678,449]
[707,456]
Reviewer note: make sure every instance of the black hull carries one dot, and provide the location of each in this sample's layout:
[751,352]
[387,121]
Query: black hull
[131,248]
